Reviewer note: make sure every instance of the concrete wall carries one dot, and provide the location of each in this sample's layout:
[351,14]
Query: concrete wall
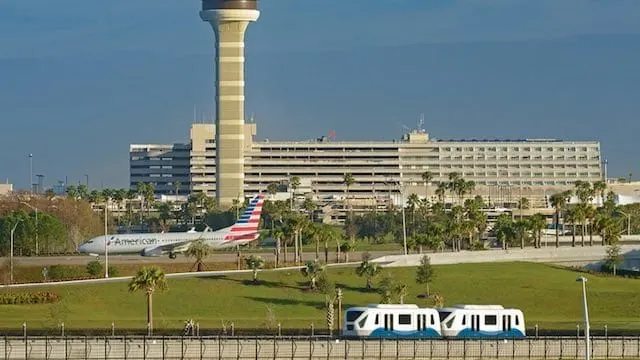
[6,188]
[586,254]
[312,348]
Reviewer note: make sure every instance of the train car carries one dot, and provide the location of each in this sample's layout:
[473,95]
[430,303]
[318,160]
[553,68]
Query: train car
[481,321]
[391,320]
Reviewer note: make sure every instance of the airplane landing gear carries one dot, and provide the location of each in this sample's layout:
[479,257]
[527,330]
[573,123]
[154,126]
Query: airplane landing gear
[172,256]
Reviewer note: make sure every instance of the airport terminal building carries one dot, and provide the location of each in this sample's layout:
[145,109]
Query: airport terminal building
[503,170]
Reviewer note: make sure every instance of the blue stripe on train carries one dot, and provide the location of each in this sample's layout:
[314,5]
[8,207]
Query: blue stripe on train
[513,333]
[426,333]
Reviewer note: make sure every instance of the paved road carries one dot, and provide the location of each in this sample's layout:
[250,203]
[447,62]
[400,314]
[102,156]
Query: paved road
[136,259]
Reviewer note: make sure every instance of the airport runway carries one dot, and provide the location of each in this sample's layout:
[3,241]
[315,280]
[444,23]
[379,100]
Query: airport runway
[218,257]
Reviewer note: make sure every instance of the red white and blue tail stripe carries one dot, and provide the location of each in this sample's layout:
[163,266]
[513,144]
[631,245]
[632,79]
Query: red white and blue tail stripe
[246,228]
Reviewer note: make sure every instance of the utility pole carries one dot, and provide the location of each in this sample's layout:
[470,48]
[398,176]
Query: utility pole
[13,231]
[106,244]
[36,211]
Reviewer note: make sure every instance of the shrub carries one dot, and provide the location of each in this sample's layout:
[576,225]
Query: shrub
[28,298]
[61,272]
[113,271]
[95,268]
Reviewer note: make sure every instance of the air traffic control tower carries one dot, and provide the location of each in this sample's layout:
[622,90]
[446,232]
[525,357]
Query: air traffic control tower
[229,20]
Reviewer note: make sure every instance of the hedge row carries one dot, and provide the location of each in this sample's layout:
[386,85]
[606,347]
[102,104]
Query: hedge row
[28,298]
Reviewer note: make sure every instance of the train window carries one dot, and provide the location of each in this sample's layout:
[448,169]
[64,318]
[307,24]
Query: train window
[377,319]
[450,322]
[464,319]
[404,319]
[362,322]
[490,320]
[517,320]
[444,314]
[353,315]
[433,320]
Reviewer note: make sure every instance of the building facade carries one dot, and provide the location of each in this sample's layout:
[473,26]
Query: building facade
[164,166]
[501,169]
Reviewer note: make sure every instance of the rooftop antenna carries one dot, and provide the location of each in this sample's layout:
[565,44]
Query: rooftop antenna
[421,123]
[194,113]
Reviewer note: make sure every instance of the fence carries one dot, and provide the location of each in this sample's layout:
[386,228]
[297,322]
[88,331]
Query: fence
[54,348]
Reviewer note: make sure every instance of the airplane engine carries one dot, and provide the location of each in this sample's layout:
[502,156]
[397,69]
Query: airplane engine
[150,252]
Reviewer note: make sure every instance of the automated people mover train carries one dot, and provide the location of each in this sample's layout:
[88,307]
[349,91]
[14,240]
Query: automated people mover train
[458,321]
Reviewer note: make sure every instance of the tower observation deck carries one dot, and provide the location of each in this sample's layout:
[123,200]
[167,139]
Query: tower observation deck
[229,20]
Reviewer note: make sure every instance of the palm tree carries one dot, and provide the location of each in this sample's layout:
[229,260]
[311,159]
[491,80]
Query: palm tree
[72,192]
[309,206]
[118,196]
[441,192]
[164,213]
[427,177]
[254,263]
[294,183]
[599,187]
[199,250]
[348,180]
[278,234]
[149,279]
[272,189]
[523,204]
[559,201]
[346,247]
[570,216]
[176,187]
[521,227]
[369,270]
[537,223]
[413,201]
[311,270]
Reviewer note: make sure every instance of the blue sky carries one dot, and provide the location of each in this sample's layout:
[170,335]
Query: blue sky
[82,79]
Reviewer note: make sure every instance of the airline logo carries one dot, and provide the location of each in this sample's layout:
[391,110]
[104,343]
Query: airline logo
[246,228]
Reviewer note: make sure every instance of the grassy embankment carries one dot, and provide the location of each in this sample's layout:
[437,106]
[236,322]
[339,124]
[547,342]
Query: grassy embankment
[549,297]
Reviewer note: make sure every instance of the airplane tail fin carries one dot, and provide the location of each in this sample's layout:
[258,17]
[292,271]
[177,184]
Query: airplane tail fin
[246,227]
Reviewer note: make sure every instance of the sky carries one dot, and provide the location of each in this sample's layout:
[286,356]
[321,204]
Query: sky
[80,80]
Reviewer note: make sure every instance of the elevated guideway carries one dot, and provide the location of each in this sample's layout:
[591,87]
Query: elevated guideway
[588,255]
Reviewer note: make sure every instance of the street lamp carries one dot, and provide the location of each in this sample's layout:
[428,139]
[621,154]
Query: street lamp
[587,353]
[106,243]
[31,173]
[11,252]
[628,220]
[36,210]
[404,221]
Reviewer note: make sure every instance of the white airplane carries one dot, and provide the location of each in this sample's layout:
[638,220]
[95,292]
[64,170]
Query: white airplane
[242,232]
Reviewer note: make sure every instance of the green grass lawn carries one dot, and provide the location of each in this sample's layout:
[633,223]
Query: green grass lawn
[549,297]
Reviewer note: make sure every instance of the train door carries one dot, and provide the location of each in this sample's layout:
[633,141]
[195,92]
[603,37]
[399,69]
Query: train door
[475,322]
[506,322]
[388,322]
[421,322]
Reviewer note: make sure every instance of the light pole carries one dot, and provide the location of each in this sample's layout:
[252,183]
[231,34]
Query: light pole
[31,173]
[11,252]
[106,243]
[404,222]
[587,344]
[628,221]
[36,210]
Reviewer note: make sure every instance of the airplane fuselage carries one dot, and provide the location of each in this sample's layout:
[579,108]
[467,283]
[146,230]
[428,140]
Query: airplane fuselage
[138,243]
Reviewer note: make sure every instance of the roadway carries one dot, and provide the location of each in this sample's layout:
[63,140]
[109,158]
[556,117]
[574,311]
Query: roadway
[548,242]
[229,257]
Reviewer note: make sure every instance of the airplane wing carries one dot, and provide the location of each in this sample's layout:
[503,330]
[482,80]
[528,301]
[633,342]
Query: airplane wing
[172,248]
